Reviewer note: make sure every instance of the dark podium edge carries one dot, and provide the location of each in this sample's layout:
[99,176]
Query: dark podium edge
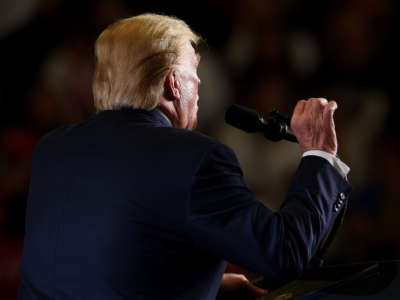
[359,279]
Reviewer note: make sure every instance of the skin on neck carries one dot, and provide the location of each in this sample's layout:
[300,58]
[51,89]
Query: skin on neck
[179,100]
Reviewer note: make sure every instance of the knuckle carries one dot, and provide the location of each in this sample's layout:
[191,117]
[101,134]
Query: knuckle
[334,104]
[300,103]
[323,101]
[313,102]
[319,101]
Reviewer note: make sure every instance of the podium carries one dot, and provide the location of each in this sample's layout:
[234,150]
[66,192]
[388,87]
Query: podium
[371,280]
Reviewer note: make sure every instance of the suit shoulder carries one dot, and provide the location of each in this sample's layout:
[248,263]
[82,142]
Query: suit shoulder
[52,135]
[199,139]
[207,148]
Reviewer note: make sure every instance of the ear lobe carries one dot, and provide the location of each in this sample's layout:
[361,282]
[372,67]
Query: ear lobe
[172,87]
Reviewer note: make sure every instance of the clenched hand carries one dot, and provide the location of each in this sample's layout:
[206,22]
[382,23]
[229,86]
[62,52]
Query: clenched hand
[312,123]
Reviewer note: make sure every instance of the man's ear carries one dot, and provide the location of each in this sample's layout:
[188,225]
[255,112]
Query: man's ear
[172,86]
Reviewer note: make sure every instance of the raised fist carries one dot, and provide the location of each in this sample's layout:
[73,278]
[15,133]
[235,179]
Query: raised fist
[312,123]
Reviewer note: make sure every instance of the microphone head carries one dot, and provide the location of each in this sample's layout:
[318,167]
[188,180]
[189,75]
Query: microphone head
[243,118]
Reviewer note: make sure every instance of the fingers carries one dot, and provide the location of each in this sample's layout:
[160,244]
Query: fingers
[300,106]
[330,108]
[318,101]
[315,106]
[323,101]
[312,107]
[298,110]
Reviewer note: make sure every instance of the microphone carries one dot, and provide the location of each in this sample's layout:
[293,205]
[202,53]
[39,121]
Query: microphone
[275,128]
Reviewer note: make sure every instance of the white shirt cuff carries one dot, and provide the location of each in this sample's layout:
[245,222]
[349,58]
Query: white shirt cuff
[342,168]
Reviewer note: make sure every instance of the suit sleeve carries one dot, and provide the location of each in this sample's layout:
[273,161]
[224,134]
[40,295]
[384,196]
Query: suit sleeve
[227,221]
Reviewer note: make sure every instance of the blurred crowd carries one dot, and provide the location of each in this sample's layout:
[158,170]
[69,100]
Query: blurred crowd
[264,54]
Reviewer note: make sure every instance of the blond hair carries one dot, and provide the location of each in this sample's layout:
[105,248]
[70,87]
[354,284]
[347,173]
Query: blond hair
[134,56]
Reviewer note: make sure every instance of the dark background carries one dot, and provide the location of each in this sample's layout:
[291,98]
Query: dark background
[263,54]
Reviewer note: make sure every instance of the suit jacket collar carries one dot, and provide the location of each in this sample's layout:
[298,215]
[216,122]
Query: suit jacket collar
[140,116]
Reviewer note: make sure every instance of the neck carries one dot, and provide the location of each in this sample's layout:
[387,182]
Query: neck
[165,117]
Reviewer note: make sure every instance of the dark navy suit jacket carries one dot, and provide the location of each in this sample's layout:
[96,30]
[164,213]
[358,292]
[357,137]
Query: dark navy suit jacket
[124,206]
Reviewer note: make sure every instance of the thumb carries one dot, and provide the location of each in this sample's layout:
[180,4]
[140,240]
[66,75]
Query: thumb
[329,110]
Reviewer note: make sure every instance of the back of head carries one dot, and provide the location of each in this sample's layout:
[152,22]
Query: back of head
[134,56]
